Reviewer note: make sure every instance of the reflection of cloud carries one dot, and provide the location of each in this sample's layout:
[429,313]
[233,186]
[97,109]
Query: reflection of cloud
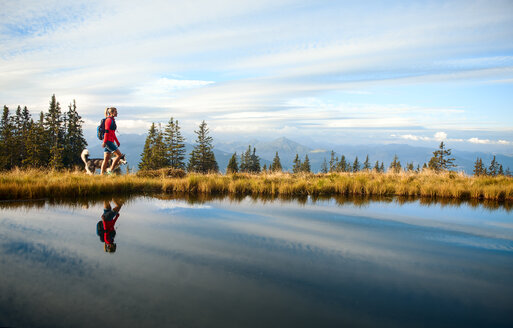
[177,204]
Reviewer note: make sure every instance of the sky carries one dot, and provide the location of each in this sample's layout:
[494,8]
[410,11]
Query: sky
[318,72]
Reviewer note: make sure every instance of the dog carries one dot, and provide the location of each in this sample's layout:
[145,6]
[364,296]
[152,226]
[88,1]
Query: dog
[91,164]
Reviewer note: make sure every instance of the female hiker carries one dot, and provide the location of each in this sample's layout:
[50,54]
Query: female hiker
[109,139]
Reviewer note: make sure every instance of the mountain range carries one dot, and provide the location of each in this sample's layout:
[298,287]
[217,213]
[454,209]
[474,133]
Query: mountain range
[132,145]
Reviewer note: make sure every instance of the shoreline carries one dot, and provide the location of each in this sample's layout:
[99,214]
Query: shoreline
[34,184]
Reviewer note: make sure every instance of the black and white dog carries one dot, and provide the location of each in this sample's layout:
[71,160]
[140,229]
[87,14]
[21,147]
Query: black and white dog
[91,164]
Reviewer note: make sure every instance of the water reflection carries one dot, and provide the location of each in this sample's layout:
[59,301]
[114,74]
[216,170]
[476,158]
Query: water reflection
[201,198]
[251,262]
[105,227]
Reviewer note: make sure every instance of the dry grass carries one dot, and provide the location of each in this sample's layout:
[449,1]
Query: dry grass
[33,184]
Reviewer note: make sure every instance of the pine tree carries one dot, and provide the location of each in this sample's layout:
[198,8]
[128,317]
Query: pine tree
[508,172]
[366,164]
[6,141]
[245,160]
[254,162]
[501,170]
[305,166]
[494,167]
[376,166]
[264,168]
[410,167]
[202,157]
[55,132]
[324,166]
[333,162]
[441,159]
[75,142]
[159,157]
[276,164]
[296,167]
[232,165]
[175,145]
[356,165]
[382,167]
[395,166]
[342,165]
[145,163]
[479,168]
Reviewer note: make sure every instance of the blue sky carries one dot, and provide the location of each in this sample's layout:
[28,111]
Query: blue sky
[320,72]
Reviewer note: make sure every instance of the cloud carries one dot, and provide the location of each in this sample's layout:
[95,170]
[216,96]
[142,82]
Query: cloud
[275,63]
[440,136]
[489,142]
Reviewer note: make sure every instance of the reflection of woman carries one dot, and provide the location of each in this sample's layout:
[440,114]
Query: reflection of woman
[109,218]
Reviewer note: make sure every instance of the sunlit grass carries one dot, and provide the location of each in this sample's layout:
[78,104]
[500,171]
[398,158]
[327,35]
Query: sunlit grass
[33,184]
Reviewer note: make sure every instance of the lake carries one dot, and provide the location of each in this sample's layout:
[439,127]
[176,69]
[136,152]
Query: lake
[249,262]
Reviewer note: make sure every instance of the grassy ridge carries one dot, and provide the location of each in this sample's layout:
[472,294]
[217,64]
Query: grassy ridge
[35,184]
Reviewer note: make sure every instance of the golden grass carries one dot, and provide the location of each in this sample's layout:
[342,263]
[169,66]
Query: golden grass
[33,184]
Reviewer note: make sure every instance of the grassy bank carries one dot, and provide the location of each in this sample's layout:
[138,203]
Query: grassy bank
[35,184]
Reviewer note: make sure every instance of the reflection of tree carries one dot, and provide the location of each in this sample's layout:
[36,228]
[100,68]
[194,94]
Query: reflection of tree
[202,198]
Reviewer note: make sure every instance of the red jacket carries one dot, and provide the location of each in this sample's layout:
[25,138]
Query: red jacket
[109,226]
[110,135]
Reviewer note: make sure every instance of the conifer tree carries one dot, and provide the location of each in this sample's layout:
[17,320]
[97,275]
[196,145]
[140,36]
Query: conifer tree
[376,166]
[343,165]
[75,142]
[232,164]
[356,165]
[276,164]
[254,162]
[159,157]
[324,166]
[175,145]
[305,166]
[494,167]
[202,157]
[382,167]
[479,168]
[366,164]
[55,133]
[6,141]
[264,168]
[296,167]
[145,163]
[441,159]
[410,167]
[245,160]
[501,170]
[36,147]
[508,172]
[395,166]
[333,162]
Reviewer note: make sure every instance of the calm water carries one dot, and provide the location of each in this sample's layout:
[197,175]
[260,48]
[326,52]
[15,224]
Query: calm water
[256,263]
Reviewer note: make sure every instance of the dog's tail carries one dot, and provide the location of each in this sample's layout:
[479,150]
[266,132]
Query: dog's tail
[84,155]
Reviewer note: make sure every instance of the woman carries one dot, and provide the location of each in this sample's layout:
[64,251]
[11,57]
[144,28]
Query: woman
[109,139]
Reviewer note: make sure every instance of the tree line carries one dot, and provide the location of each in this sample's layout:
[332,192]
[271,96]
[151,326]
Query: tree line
[55,140]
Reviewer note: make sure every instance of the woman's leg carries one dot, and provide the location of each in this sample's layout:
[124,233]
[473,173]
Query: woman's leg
[106,157]
[116,160]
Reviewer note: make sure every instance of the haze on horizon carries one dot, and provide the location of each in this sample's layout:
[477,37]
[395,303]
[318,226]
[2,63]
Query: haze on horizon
[315,71]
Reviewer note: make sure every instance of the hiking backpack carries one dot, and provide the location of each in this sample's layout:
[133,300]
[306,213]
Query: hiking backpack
[100,131]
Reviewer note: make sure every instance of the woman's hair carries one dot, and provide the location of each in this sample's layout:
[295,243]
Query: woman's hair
[109,111]
[110,248]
